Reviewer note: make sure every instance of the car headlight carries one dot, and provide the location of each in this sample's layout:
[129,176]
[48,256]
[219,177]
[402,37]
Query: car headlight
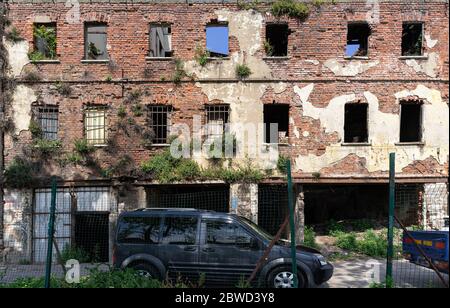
[321,259]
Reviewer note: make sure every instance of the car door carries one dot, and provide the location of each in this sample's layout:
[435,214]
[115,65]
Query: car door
[180,246]
[228,252]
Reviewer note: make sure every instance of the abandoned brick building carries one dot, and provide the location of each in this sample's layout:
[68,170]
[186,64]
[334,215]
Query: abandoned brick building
[92,88]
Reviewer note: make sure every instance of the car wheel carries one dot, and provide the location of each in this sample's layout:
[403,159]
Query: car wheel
[146,270]
[282,277]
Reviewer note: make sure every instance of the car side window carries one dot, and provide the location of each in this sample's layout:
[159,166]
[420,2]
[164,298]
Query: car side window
[139,230]
[180,230]
[226,233]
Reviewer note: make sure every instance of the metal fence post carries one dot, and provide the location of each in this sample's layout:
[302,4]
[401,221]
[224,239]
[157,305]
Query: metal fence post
[51,232]
[292,223]
[390,248]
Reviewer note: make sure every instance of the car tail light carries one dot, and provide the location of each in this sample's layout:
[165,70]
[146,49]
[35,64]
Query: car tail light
[408,240]
[440,245]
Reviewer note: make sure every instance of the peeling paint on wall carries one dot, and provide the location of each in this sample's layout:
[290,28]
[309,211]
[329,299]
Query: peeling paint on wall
[245,26]
[430,42]
[384,132]
[22,100]
[428,67]
[351,69]
[17,57]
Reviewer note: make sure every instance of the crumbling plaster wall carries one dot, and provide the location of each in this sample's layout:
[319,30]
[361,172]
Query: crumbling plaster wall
[384,131]
[18,224]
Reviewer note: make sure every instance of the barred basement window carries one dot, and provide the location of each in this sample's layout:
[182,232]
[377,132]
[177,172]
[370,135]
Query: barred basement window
[412,39]
[160,41]
[160,122]
[95,125]
[47,119]
[95,41]
[217,117]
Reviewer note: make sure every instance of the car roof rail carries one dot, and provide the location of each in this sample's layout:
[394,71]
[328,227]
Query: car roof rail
[165,209]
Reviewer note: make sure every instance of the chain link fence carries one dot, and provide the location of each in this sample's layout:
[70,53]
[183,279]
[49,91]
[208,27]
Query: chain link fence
[421,212]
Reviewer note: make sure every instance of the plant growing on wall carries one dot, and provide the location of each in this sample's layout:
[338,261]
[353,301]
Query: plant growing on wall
[282,164]
[268,48]
[46,147]
[290,8]
[83,147]
[19,174]
[243,71]
[44,43]
[201,56]
[13,35]
[93,51]
[179,72]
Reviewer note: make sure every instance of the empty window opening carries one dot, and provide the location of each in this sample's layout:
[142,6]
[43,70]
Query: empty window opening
[276,44]
[217,119]
[276,122]
[95,125]
[44,37]
[410,122]
[160,41]
[357,40]
[95,41]
[159,120]
[217,40]
[92,236]
[47,119]
[355,126]
[412,39]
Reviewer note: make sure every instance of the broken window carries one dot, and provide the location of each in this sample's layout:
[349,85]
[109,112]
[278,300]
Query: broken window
[276,44]
[412,39]
[95,41]
[95,125]
[160,41]
[410,122]
[276,122]
[160,123]
[217,119]
[217,40]
[44,37]
[357,40]
[355,126]
[47,118]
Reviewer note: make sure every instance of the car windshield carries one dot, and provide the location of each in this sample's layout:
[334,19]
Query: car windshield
[256,228]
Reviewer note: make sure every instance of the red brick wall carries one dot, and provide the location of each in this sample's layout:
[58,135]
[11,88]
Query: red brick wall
[321,37]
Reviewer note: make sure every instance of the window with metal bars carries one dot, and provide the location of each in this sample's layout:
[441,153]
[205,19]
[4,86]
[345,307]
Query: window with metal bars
[47,118]
[217,117]
[160,122]
[95,125]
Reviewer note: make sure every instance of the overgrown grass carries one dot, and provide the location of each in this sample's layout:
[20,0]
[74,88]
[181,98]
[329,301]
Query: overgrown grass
[100,279]
[71,252]
[370,243]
